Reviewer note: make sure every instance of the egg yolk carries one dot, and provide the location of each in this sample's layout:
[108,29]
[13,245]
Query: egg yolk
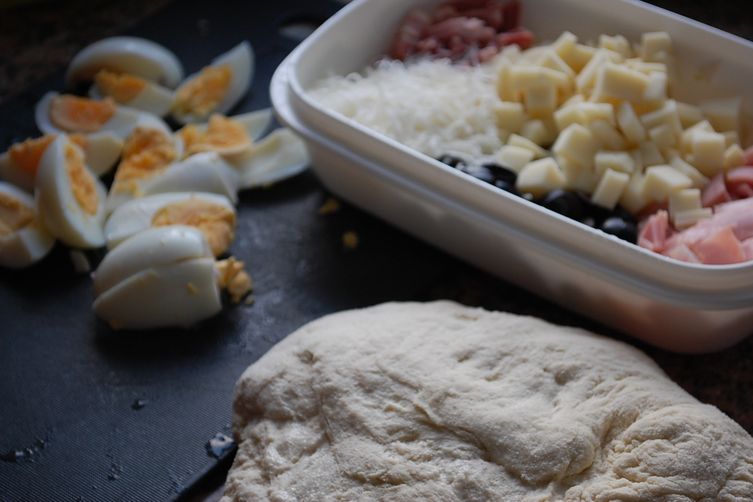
[232,277]
[27,154]
[119,86]
[82,182]
[200,95]
[216,222]
[221,135]
[146,152]
[73,113]
[14,215]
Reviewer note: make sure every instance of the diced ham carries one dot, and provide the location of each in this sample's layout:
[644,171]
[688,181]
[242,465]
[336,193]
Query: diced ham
[683,253]
[655,232]
[410,32]
[740,182]
[741,191]
[715,192]
[748,156]
[522,37]
[466,28]
[511,15]
[719,248]
[492,14]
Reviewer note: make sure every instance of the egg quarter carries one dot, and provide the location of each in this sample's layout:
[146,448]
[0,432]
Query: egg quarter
[24,240]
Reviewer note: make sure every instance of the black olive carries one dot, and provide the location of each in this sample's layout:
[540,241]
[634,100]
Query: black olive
[565,203]
[450,160]
[618,227]
[507,187]
[479,172]
[502,173]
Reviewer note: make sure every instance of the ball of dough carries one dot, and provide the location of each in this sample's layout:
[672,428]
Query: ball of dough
[436,401]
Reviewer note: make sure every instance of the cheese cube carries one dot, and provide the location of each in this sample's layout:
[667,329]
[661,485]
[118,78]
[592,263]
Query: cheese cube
[667,114]
[635,153]
[505,90]
[662,136]
[537,131]
[617,43]
[655,46]
[566,115]
[684,200]
[597,111]
[724,114]
[660,181]
[514,157]
[577,144]
[550,59]
[632,198]
[574,100]
[540,177]
[510,115]
[523,77]
[610,188]
[656,89]
[731,138]
[629,124]
[619,82]
[686,219]
[689,114]
[733,157]
[686,139]
[708,152]
[650,154]
[606,135]
[698,179]
[586,79]
[565,45]
[579,57]
[616,161]
[645,67]
[576,176]
[540,100]
[517,140]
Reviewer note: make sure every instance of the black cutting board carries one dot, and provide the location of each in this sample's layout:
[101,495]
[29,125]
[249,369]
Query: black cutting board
[97,415]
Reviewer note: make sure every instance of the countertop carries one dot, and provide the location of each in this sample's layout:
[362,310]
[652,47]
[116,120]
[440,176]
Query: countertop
[39,38]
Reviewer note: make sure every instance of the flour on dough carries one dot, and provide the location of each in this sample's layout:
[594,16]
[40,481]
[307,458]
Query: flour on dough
[440,402]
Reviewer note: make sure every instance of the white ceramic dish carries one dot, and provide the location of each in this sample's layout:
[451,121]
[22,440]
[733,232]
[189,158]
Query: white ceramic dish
[682,307]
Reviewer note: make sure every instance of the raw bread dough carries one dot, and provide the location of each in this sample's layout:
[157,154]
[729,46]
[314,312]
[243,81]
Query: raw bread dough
[440,402]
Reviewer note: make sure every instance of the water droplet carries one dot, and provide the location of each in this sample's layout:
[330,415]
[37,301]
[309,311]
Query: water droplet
[219,445]
[138,404]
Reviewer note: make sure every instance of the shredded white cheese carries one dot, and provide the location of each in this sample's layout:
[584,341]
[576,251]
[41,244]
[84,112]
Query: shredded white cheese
[431,105]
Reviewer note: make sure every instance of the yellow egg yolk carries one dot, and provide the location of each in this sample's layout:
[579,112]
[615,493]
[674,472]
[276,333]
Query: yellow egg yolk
[200,95]
[146,152]
[222,135]
[14,215]
[216,222]
[119,86]
[73,113]
[232,277]
[27,154]
[82,182]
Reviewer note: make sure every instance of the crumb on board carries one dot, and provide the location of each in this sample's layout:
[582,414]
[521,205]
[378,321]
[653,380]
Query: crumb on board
[350,240]
[233,278]
[331,205]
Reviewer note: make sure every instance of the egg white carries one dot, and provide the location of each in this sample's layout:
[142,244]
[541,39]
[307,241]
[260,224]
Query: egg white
[29,244]
[154,99]
[241,60]
[136,216]
[278,156]
[162,277]
[57,205]
[133,55]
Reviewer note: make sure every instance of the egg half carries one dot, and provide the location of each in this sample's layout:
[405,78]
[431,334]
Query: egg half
[228,136]
[162,277]
[213,215]
[23,238]
[132,55]
[278,156]
[70,199]
[134,92]
[217,87]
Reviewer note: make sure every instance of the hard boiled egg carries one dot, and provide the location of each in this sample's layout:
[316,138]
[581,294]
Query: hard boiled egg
[212,214]
[20,163]
[134,92]
[228,136]
[70,198]
[203,172]
[134,56]
[217,87]
[23,238]
[164,277]
[64,113]
[280,155]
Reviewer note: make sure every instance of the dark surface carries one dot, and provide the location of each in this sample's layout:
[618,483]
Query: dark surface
[69,387]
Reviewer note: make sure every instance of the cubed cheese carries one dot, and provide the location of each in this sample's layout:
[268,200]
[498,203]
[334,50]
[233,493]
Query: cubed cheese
[616,161]
[577,177]
[523,77]
[537,131]
[630,125]
[607,136]
[724,114]
[610,188]
[510,115]
[565,45]
[686,219]
[517,140]
[680,201]
[579,57]
[540,100]
[689,114]
[505,90]
[708,152]
[597,111]
[660,181]
[586,79]
[662,136]
[733,157]
[550,59]
[646,67]
[633,199]
[540,177]
[577,144]
[667,114]
[514,157]
[655,46]
[566,115]
[731,138]
[619,82]
[686,139]
[656,89]
[650,154]
[617,43]
[697,178]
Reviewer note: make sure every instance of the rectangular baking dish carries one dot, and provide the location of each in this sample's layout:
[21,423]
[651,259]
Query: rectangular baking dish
[678,306]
